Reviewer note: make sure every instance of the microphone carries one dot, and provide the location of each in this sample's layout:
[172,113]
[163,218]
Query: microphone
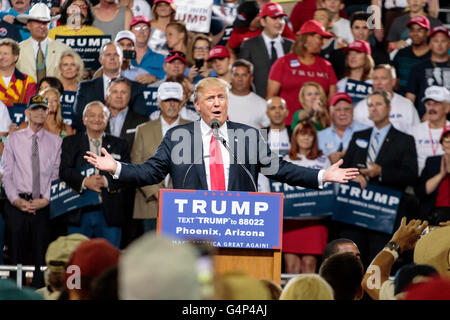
[215,125]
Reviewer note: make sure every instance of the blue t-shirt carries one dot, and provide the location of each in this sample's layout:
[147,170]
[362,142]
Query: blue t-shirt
[152,62]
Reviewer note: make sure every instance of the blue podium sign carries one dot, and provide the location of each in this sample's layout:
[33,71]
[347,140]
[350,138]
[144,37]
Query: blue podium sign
[300,202]
[373,208]
[224,219]
[64,199]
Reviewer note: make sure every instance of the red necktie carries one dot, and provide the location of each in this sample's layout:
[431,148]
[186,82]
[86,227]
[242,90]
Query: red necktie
[217,174]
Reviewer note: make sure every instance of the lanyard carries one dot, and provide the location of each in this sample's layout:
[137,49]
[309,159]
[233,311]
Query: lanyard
[433,149]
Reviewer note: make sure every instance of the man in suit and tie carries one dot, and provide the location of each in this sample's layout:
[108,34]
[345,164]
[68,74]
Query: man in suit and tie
[96,89]
[388,158]
[105,219]
[192,155]
[264,49]
[39,55]
[148,137]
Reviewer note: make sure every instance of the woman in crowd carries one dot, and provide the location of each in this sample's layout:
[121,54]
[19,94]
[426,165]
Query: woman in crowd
[358,67]
[71,70]
[54,122]
[198,53]
[315,107]
[48,82]
[304,240]
[163,12]
[290,72]
[434,185]
[177,36]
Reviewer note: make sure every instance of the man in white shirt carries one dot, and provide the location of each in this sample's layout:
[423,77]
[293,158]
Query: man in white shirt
[428,133]
[244,105]
[403,114]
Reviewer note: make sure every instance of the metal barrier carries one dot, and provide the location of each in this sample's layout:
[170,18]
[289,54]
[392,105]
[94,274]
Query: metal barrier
[20,269]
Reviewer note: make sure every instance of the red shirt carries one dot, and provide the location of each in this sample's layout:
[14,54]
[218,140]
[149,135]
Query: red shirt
[443,196]
[292,74]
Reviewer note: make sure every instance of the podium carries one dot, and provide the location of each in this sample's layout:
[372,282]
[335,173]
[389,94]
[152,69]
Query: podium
[244,227]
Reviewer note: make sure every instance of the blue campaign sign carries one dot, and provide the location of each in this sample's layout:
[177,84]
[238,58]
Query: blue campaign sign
[88,47]
[64,199]
[17,113]
[151,96]
[300,202]
[374,208]
[67,102]
[224,219]
[358,90]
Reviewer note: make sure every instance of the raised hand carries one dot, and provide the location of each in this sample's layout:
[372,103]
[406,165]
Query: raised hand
[336,174]
[105,163]
[407,235]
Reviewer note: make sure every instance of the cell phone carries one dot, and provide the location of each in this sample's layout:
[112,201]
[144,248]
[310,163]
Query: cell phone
[129,54]
[199,63]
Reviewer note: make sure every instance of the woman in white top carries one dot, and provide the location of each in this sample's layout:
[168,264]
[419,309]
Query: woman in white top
[304,240]
[163,12]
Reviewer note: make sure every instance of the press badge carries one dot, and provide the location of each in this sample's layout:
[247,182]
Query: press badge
[362,143]
[294,63]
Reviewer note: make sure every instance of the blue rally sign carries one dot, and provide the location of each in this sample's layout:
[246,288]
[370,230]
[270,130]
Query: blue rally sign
[224,219]
[374,208]
[17,113]
[64,199]
[151,104]
[67,102]
[358,90]
[300,202]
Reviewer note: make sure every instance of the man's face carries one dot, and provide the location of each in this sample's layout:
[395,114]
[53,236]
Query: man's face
[38,29]
[7,59]
[416,5]
[212,103]
[170,108]
[322,17]
[273,26]
[142,32]
[436,110]
[417,34]
[348,247]
[20,5]
[342,114]
[95,119]
[37,116]
[241,79]
[378,110]
[333,5]
[78,7]
[382,80]
[119,96]
[111,59]
[439,44]
[221,65]
[360,30]
[277,111]
[174,68]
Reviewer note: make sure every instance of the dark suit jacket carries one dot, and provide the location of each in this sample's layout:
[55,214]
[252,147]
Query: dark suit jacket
[157,167]
[132,120]
[397,158]
[92,90]
[73,150]
[255,51]
[427,201]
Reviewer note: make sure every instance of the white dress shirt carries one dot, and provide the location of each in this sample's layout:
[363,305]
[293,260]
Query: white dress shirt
[278,45]
[35,45]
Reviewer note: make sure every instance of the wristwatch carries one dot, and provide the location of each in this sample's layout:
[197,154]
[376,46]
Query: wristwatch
[393,246]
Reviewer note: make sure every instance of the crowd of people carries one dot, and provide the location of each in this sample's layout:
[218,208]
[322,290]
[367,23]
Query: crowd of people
[327,84]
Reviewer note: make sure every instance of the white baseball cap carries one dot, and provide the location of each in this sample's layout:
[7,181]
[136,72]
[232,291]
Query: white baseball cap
[436,93]
[170,90]
[125,34]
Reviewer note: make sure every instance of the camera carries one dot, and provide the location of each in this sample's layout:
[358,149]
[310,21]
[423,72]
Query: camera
[129,54]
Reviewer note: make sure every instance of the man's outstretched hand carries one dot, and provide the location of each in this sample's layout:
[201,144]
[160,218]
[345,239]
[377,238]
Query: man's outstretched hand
[336,174]
[105,163]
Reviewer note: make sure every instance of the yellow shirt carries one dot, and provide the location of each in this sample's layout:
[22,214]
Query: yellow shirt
[66,31]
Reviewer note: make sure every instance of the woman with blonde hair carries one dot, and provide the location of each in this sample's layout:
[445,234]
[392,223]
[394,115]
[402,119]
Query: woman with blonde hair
[163,12]
[315,107]
[177,36]
[70,71]
[307,287]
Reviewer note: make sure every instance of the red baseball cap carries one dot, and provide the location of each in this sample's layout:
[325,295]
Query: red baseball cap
[273,10]
[421,21]
[439,29]
[139,19]
[360,46]
[338,96]
[312,26]
[218,52]
[168,1]
[175,55]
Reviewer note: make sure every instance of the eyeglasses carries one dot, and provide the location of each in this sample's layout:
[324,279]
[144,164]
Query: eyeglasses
[139,28]
[176,53]
[201,48]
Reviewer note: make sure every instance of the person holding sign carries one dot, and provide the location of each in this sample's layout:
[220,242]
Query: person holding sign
[303,240]
[211,169]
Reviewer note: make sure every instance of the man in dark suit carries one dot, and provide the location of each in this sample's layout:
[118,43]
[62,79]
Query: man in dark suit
[123,120]
[193,156]
[388,158]
[264,49]
[103,220]
[96,89]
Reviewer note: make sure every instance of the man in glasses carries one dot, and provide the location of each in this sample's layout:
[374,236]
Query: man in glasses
[145,57]
[30,163]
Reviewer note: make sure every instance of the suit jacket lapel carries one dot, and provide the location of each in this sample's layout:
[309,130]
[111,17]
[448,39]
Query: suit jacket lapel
[199,169]
[263,49]
[233,172]
[286,45]
[386,144]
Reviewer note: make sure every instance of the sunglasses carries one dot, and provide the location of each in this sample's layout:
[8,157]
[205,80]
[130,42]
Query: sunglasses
[176,53]
[139,28]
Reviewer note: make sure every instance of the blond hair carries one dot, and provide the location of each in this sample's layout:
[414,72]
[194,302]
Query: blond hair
[208,83]
[58,116]
[324,116]
[307,287]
